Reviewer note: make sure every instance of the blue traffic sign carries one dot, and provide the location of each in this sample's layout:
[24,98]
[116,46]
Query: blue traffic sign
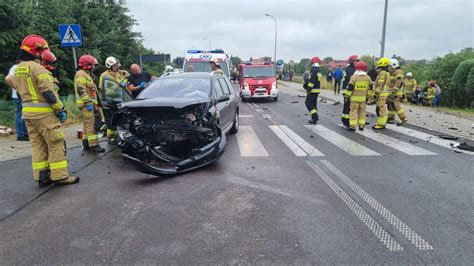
[70,35]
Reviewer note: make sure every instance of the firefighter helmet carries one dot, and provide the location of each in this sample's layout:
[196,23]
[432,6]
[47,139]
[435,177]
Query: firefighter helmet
[352,59]
[394,63]
[431,83]
[168,68]
[315,60]
[87,62]
[47,60]
[409,74]
[383,62]
[111,61]
[215,61]
[361,66]
[34,45]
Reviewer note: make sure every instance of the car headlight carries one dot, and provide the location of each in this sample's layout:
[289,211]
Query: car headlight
[274,86]
[246,86]
[124,133]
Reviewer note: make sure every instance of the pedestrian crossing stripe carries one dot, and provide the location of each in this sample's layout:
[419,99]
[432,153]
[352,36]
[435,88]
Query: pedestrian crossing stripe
[394,143]
[249,143]
[294,142]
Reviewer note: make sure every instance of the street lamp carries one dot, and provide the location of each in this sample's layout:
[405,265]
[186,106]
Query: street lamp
[276,27]
[210,44]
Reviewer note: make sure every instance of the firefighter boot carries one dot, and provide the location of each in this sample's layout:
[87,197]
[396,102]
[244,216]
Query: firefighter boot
[85,144]
[314,119]
[402,122]
[67,181]
[97,149]
[44,178]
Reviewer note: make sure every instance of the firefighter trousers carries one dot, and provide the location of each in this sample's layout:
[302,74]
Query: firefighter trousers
[88,122]
[312,105]
[381,111]
[48,147]
[394,107]
[370,97]
[346,111]
[357,114]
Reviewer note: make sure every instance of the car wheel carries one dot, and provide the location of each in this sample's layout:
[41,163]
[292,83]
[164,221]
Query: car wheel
[235,125]
[243,99]
[275,98]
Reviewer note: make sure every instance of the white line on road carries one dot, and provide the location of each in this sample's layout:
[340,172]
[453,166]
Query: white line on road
[386,214]
[426,137]
[288,142]
[249,143]
[395,143]
[255,105]
[373,226]
[245,116]
[308,148]
[342,142]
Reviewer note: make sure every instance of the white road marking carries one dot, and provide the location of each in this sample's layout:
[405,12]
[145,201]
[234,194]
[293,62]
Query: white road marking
[308,148]
[386,214]
[342,142]
[395,143]
[245,116]
[288,142]
[249,143]
[249,104]
[259,110]
[266,116]
[427,137]
[255,105]
[373,226]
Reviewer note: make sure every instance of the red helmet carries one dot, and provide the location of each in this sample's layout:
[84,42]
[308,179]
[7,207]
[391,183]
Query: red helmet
[431,83]
[34,45]
[353,58]
[361,66]
[315,60]
[87,62]
[47,60]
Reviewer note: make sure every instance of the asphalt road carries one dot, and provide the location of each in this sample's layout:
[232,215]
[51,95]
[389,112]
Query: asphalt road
[282,193]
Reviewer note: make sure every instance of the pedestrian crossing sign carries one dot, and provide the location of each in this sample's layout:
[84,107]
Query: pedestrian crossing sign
[70,35]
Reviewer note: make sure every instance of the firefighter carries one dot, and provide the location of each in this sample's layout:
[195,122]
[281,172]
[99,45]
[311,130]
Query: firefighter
[373,76]
[120,76]
[215,66]
[43,113]
[430,93]
[381,92]
[313,85]
[396,93]
[86,100]
[409,87]
[359,85]
[47,61]
[349,71]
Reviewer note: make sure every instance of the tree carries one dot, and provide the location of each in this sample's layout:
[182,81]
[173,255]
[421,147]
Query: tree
[178,61]
[368,60]
[328,59]
[235,60]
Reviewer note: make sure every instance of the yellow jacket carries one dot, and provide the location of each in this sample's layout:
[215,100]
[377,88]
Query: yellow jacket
[36,88]
[359,85]
[85,89]
[118,76]
[381,83]
[396,82]
[409,85]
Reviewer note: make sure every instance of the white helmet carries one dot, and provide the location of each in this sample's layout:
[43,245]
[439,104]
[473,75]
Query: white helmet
[110,61]
[409,74]
[215,61]
[168,68]
[394,63]
[316,64]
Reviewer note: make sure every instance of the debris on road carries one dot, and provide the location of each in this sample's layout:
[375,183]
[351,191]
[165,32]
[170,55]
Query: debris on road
[413,141]
[336,103]
[301,96]
[466,147]
[295,102]
[452,128]
[444,136]
[5,131]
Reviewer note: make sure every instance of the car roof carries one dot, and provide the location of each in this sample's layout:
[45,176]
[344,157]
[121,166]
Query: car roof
[206,75]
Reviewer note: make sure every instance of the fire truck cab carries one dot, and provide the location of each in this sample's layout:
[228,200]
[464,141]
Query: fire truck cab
[198,61]
[257,81]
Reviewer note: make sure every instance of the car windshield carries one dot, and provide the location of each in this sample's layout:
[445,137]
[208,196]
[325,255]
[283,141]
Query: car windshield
[177,88]
[254,72]
[204,66]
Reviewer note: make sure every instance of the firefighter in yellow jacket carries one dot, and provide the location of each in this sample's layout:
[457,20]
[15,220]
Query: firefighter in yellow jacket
[120,76]
[359,85]
[43,113]
[409,86]
[86,100]
[381,93]
[396,93]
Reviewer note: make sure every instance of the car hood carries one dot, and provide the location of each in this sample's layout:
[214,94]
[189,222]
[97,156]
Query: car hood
[165,102]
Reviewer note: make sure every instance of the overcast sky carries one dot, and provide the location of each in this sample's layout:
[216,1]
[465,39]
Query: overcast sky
[416,29]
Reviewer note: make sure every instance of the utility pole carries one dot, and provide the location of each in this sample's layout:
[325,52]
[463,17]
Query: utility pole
[210,43]
[382,43]
[276,30]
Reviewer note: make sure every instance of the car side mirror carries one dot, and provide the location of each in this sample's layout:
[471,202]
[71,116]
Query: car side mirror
[117,100]
[224,98]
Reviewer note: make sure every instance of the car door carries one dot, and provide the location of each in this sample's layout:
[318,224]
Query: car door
[112,94]
[222,106]
[229,90]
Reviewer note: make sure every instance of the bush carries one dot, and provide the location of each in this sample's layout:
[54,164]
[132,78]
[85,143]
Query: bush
[7,113]
[459,88]
[469,87]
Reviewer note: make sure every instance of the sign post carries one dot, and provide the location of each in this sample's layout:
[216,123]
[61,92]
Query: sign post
[70,35]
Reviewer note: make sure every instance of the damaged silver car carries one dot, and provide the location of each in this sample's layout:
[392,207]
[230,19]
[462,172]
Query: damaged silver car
[177,124]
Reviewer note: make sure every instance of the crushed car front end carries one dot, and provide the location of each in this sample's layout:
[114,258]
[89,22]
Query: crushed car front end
[160,137]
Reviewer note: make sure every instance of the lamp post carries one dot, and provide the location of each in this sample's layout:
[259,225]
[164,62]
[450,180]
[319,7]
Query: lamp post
[276,29]
[210,43]
[382,43]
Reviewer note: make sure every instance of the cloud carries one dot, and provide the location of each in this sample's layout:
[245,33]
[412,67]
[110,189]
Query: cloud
[415,29]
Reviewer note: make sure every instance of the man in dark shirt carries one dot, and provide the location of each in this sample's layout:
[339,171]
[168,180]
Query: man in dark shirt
[138,80]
